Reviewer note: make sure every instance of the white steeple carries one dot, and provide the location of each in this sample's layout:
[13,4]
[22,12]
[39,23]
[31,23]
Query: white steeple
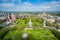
[44,23]
[30,23]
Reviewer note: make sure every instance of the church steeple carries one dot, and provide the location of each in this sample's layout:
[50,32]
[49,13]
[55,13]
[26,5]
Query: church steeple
[30,23]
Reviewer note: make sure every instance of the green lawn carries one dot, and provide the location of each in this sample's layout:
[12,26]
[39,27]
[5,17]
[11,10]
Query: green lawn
[16,32]
[33,34]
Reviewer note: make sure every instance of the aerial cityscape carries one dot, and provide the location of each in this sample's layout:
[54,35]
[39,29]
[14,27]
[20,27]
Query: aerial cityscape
[29,19]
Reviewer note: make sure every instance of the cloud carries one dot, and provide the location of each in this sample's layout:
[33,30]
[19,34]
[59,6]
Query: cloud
[7,5]
[26,3]
[10,1]
[52,6]
[26,6]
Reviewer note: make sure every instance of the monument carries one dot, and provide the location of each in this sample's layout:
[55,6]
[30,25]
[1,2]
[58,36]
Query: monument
[30,23]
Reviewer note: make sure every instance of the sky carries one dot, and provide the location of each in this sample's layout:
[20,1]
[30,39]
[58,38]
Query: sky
[29,5]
